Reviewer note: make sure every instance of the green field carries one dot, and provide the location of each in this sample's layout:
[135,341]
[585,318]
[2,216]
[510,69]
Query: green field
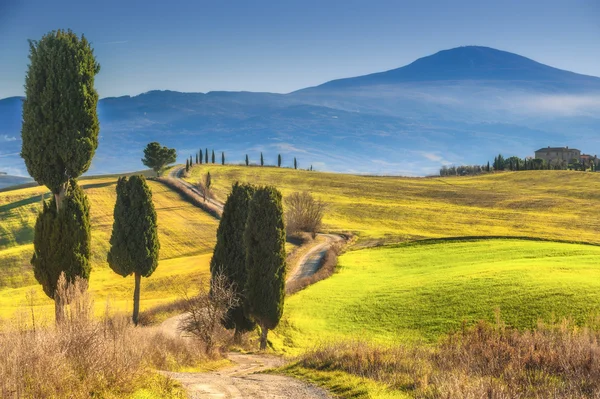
[557,205]
[417,292]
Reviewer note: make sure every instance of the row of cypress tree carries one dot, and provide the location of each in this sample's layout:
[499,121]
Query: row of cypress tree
[250,253]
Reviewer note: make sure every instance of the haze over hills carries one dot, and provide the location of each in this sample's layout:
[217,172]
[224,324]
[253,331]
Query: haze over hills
[457,106]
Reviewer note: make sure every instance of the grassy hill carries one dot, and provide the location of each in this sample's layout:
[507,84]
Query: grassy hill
[557,205]
[415,292]
[187,236]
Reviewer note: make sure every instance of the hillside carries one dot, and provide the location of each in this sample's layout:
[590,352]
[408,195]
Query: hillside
[420,292]
[543,204]
[186,234]
[462,105]
[8,180]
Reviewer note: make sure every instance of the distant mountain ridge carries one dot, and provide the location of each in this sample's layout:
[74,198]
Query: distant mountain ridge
[458,106]
[471,63]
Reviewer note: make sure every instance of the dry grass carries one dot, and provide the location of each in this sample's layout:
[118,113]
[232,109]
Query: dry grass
[191,196]
[485,361]
[84,357]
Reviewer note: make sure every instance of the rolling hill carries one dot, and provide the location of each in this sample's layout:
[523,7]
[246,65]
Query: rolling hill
[463,105]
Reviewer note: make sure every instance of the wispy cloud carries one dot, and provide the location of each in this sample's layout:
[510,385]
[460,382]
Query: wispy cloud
[12,154]
[5,137]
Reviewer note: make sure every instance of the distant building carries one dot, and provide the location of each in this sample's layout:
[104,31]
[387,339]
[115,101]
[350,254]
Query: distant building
[589,159]
[558,154]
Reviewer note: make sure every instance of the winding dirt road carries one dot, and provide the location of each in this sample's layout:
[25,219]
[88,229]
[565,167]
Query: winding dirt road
[242,380]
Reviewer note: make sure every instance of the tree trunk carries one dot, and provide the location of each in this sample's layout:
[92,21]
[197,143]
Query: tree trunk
[60,196]
[136,298]
[58,311]
[263,337]
[237,337]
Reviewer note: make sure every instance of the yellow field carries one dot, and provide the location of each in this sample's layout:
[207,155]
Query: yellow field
[187,236]
[557,205]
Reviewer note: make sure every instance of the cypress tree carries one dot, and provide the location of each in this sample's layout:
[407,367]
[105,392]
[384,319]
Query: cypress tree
[187,165]
[222,158]
[262,161]
[264,239]
[213,156]
[229,257]
[488,167]
[200,157]
[196,158]
[247,160]
[191,161]
[279,161]
[60,123]
[62,242]
[206,156]
[134,244]
[59,138]
[295,163]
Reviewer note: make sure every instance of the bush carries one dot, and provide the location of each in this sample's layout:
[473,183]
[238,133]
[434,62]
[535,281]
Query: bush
[303,213]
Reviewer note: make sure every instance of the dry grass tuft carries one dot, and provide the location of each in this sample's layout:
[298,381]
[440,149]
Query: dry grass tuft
[485,361]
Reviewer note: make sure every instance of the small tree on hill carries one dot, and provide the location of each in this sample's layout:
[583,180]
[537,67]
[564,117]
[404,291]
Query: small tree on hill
[262,161]
[213,156]
[222,158]
[247,160]
[264,238]
[206,155]
[229,256]
[187,165]
[134,244]
[157,157]
[62,242]
[279,161]
[196,159]
[205,186]
[295,163]
[200,157]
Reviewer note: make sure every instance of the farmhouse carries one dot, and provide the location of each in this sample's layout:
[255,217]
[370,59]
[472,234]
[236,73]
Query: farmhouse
[558,154]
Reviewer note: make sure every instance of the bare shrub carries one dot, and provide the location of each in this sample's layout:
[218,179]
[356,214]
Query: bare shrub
[205,312]
[486,361]
[303,213]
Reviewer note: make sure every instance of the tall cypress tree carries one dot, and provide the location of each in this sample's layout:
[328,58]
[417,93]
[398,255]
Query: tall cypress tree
[229,257]
[247,160]
[187,165]
[213,156]
[262,161]
[279,161]
[134,244]
[295,163]
[59,138]
[62,242]
[264,239]
[196,158]
[222,158]
[206,156]
[200,157]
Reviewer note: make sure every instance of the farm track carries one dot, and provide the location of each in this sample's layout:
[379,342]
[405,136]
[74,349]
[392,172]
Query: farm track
[244,379]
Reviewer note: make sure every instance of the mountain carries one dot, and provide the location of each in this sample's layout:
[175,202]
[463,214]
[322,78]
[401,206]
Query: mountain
[473,63]
[7,180]
[463,105]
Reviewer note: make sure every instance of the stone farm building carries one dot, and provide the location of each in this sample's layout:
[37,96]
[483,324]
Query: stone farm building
[564,155]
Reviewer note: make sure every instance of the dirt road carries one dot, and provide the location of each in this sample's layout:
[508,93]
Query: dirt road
[241,381]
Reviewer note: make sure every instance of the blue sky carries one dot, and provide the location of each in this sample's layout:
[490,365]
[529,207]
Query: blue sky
[284,45]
